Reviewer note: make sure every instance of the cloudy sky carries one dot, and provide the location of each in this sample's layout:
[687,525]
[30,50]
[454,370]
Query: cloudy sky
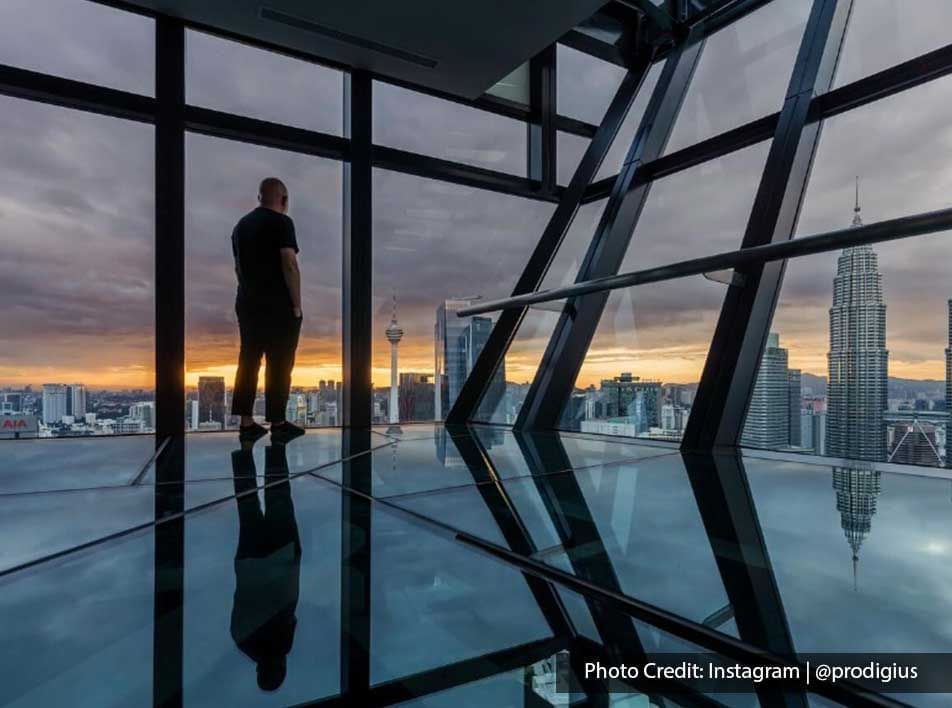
[76,203]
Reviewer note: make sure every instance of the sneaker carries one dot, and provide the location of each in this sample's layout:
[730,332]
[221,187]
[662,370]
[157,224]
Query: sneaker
[251,433]
[286,432]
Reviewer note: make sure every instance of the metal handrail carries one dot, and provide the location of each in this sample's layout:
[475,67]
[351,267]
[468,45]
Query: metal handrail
[889,230]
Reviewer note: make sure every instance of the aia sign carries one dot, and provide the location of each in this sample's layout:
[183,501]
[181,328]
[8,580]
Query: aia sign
[9,424]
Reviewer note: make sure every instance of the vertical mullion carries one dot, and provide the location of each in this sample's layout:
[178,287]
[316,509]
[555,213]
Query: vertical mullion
[579,320]
[726,384]
[356,300]
[170,228]
[507,324]
[355,578]
[541,143]
[169,555]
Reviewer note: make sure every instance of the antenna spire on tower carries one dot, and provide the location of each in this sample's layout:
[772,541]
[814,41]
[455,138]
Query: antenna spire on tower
[857,219]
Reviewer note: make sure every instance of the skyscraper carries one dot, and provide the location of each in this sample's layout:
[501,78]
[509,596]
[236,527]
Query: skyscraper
[794,389]
[457,344]
[914,443]
[858,360]
[768,416]
[76,401]
[628,396]
[211,399]
[54,403]
[948,387]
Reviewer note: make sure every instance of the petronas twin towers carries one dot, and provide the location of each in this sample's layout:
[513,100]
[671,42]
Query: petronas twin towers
[858,359]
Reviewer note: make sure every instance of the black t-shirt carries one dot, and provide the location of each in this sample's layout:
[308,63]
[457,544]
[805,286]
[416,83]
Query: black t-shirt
[256,243]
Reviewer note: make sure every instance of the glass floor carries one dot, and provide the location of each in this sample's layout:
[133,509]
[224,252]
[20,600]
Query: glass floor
[435,567]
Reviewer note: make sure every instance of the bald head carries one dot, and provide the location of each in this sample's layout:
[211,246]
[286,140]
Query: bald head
[272,194]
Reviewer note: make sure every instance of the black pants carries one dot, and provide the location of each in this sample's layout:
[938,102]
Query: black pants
[275,336]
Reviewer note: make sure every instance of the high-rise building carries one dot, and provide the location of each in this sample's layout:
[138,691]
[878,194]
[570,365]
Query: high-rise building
[447,374]
[457,343]
[914,443]
[416,397]
[211,399]
[813,431]
[76,401]
[144,411]
[54,403]
[11,402]
[793,404]
[628,396]
[858,360]
[768,416]
[948,383]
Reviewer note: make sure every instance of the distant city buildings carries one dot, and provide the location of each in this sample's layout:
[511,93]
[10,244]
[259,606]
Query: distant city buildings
[54,403]
[457,344]
[773,416]
[211,400]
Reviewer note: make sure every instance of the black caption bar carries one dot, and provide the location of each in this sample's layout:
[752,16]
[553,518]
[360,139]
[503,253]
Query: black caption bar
[711,673]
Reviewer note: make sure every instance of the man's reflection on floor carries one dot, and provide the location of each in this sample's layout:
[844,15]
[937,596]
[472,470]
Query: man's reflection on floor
[267,565]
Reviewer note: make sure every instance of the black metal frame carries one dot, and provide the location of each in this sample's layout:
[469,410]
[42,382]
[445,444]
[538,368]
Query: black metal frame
[759,263]
[735,353]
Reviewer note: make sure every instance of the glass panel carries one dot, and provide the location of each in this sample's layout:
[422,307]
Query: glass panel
[222,180]
[439,246]
[572,147]
[743,72]
[419,123]
[585,85]
[899,31]
[429,592]
[908,173]
[867,528]
[526,350]
[569,149]
[85,41]
[77,272]
[237,78]
[33,466]
[68,625]
[626,133]
[867,328]
[639,521]
[868,331]
[642,368]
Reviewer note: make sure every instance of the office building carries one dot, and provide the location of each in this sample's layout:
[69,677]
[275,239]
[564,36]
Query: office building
[914,443]
[55,397]
[416,396]
[628,396]
[858,360]
[458,342]
[211,399]
[76,401]
[768,423]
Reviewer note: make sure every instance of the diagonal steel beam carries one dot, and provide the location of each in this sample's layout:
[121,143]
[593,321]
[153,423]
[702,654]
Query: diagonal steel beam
[727,510]
[576,327]
[727,381]
[508,323]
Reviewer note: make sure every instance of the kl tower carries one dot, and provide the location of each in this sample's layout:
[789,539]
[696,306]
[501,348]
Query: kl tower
[394,335]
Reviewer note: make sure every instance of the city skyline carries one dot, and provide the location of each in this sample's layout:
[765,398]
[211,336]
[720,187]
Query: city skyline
[61,300]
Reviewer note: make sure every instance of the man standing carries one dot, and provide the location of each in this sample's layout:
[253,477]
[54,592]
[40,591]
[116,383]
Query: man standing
[269,310]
